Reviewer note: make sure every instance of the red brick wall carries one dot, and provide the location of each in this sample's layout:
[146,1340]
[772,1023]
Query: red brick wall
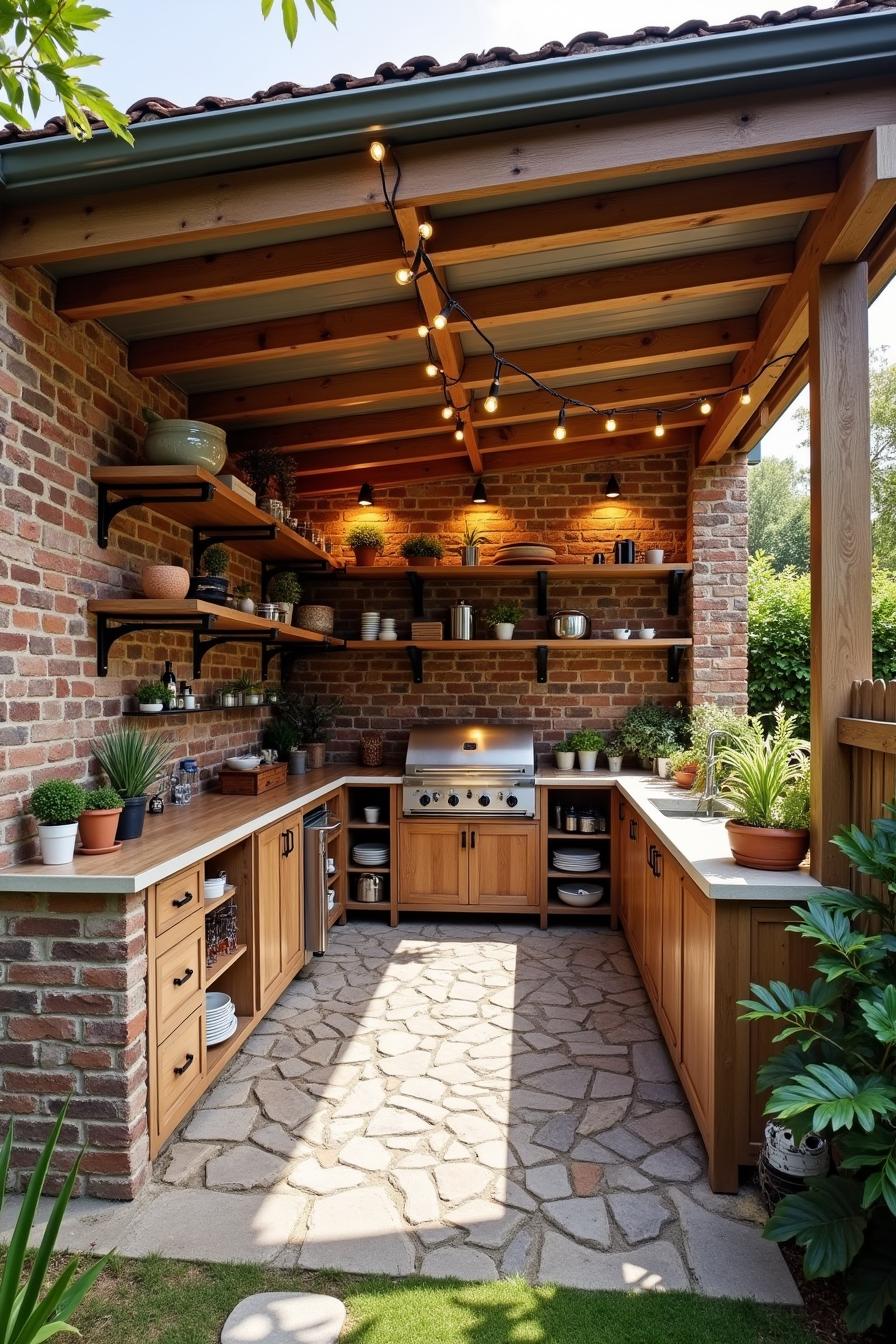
[718,521]
[68,402]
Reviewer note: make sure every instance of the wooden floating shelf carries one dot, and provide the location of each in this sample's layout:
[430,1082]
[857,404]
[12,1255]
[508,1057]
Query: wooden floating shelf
[498,573]
[224,964]
[558,908]
[509,645]
[603,873]
[204,709]
[353,868]
[367,905]
[369,826]
[554,834]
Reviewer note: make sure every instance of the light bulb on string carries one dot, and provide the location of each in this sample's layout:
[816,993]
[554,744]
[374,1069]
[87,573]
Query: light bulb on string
[610,422]
[404,275]
[425,230]
[447,412]
[431,370]
[659,428]
[491,402]
[440,321]
[459,428]
[423,331]
[560,427]
[745,398]
[705,406]
[377,151]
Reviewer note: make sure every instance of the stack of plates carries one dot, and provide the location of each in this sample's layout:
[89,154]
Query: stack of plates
[525,553]
[370,624]
[370,855]
[220,1017]
[580,893]
[576,860]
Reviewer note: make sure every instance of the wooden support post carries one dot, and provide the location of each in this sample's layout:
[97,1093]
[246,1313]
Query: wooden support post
[841,540]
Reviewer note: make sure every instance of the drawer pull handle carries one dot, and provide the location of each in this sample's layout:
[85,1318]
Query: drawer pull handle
[184,900]
[182,1068]
[182,979]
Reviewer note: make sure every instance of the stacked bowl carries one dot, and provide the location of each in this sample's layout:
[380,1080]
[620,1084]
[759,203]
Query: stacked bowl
[220,1017]
[370,625]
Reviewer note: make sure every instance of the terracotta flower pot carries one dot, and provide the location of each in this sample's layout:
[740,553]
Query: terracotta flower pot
[422,561]
[767,847]
[165,581]
[98,828]
[685,777]
[365,556]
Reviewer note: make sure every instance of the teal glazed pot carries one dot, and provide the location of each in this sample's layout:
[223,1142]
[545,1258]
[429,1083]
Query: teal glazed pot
[184,443]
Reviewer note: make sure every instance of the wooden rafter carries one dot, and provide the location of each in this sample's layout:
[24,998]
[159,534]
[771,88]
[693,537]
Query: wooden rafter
[637,212]
[614,289]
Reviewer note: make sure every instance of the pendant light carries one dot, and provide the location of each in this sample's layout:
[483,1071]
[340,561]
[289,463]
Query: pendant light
[479,494]
[612,491]
[365,495]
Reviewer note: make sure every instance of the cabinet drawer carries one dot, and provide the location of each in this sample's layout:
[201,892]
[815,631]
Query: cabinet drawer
[177,897]
[179,978]
[179,1070]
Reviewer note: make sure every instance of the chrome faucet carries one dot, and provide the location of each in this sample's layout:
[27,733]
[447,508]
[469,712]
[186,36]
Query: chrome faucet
[707,803]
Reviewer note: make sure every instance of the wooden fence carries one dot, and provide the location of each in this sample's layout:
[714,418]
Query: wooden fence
[870,733]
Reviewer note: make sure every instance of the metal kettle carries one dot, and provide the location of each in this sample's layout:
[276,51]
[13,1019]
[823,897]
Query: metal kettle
[371,887]
[569,625]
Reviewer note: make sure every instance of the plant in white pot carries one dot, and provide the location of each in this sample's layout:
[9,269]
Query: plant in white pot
[153,697]
[615,750]
[504,617]
[57,804]
[285,591]
[766,784]
[587,744]
[565,755]
[664,752]
[244,600]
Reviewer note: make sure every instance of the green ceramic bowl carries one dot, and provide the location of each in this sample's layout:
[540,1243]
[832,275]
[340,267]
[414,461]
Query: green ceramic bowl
[184,443]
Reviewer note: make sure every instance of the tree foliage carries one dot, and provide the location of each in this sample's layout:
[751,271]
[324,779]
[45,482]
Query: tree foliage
[778,520]
[41,58]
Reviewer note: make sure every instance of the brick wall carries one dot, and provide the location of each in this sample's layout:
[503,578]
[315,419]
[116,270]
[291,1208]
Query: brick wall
[718,522]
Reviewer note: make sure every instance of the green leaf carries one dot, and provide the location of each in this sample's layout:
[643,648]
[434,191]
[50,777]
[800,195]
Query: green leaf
[835,1098]
[871,1286]
[878,1151]
[879,1012]
[41,1263]
[827,1220]
[18,1245]
[290,19]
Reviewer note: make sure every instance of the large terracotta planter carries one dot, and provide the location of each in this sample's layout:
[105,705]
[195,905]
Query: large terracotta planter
[767,847]
[366,556]
[98,829]
[166,581]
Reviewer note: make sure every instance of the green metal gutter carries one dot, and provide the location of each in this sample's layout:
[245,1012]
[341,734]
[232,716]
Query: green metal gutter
[475,102]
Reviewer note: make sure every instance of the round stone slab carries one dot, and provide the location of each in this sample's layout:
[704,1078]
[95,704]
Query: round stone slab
[285,1318]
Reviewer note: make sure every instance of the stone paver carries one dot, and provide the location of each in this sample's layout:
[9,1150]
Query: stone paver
[471,1101]
[285,1318]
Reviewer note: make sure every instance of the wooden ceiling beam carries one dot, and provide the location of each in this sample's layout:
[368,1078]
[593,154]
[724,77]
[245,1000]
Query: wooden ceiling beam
[845,231]
[370,389]
[694,205]
[614,289]
[226,205]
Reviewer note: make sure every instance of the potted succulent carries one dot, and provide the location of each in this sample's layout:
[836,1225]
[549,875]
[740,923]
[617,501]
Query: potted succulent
[766,783]
[683,767]
[615,751]
[153,697]
[57,804]
[99,821]
[503,617]
[284,590]
[133,761]
[211,584]
[422,552]
[473,539]
[565,755]
[367,540]
[243,596]
[587,743]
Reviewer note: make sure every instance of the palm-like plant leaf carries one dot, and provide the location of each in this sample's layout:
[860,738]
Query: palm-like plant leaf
[871,1288]
[835,1099]
[827,1219]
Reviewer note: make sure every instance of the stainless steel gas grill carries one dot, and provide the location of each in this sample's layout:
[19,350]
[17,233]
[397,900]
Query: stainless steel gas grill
[469,770]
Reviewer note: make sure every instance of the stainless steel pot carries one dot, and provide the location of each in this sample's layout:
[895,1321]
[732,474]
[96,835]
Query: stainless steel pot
[569,625]
[371,887]
[462,621]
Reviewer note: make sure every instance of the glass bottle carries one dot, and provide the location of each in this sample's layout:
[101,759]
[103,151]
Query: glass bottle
[169,681]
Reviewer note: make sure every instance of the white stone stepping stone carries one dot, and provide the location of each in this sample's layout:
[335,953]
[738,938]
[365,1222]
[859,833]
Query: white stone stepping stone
[285,1318]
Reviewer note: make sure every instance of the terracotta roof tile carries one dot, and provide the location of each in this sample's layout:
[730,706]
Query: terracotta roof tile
[418,67]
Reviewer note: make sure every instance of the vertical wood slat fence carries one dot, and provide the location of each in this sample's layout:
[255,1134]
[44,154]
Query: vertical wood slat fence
[870,734]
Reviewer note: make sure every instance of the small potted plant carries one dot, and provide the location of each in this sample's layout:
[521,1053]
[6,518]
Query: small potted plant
[683,767]
[422,552]
[57,804]
[256,466]
[504,617]
[153,697]
[284,590]
[133,761]
[99,821]
[254,694]
[587,743]
[766,784]
[565,755]
[280,736]
[367,540]
[272,695]
[473,539]
[316,717]
[615,752]
[243,596]
[228,697]
[664,752]
[211,584]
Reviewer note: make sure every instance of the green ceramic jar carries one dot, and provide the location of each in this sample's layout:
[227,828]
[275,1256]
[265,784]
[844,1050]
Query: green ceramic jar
[184,443]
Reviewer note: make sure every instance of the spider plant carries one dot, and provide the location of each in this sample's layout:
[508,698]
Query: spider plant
[762,770]
[132,759]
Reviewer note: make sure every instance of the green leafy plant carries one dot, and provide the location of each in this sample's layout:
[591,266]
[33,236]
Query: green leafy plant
[474,535]
[153,693]
[215,562]
[100,800]
[504,613]
[284,588]
[290,12]
[648,726]
[762,771]
[281,736]
[58,802]
[681,758]
[587,739]
[566,745]
[424,545]
[712,718]
[28,1314]
[286,483]
[836,1076]
[243,590]
[366,536]
[615,745]
[133,760]
[257,466]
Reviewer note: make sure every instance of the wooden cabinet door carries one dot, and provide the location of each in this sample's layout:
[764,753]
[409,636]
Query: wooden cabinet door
[503,863]
[697,1002]
[433,863]
[654,857]
[634,881]
[271,845]
[291,912]
[669,987]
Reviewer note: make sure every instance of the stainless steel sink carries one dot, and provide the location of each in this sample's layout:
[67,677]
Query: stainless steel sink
[676,807]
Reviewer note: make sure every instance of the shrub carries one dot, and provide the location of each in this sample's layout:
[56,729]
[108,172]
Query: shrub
[424,545]
[504,613]
[587,739]
[709,718]
[836,1076]
[366,536]
[99,800]
[762,770]
[58,802]
[284,588]
[215,562]
[647,727]
[153,693]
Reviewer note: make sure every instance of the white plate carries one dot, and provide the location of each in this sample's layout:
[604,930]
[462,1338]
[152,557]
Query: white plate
[225,1036]
[216,999]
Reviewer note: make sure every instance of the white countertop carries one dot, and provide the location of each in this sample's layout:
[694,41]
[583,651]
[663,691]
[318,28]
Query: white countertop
[214,823]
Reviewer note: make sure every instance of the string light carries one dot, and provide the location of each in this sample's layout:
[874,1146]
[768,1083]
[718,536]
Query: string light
[491,402]
[659,428]
[705,406]
[459,428]
[560,427]
[447,412]
[610,422]
[431,370]
[425,230]
[377,151]
[745,398]
[440,321]
[404,275]
[423,331]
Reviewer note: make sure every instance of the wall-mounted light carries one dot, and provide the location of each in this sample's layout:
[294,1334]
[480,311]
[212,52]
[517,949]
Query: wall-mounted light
[612,491]
[365,495]
[479,496]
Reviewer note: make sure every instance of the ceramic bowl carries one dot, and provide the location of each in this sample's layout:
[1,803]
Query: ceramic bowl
[589,893]
[646,633]
[181,443]
[171,582]
[622,634]
[243,762]
[213,887]
[151,709]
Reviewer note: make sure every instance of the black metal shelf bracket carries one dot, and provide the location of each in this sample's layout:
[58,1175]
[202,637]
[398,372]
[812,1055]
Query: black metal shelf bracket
[148,496]
[269,568]
[676,579]
[541,663]
[289,653]
[415,658]
[107,634]
[417,591]
[674,656]
[202,646]
[541,579]
[204,537]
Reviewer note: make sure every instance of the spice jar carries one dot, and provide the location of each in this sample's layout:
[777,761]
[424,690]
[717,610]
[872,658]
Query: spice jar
[570,819]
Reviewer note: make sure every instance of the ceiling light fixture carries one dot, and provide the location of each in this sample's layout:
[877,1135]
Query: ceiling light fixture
[479,495]
[745,398]
[459,428]
[705,406]
[612,491]
[610,422]
[440,321]
[377,151]
[365,495]
[560,427]
[659,428]
[425,230]
[491,402]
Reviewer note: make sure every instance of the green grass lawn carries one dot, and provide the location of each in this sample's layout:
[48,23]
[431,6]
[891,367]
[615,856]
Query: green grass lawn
[157,1301]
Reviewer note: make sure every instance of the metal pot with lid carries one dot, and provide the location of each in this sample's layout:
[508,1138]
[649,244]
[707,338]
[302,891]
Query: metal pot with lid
[371,888]
[569,625]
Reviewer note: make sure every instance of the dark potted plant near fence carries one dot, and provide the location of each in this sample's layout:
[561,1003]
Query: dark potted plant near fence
[766,784]
[284,590]
[153,697]
[587,743]
[211,584]
[133,761]
[57,804]
[367,540]
[99,821]
[504,617]
[422,552]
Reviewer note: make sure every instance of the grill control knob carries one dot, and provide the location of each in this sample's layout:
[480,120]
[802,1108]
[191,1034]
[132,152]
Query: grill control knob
[453,800]
[424,800]
[512,800]
[484,800]
[436,797]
